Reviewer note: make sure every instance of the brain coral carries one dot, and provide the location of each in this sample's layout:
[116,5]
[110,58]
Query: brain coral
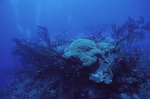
[83,49]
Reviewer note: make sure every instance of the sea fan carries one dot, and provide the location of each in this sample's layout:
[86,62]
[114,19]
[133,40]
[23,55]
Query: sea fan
[131,31]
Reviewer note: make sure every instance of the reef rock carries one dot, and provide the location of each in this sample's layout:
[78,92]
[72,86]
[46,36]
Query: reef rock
[104,72]
[105,47]
[102,75]
[84,50]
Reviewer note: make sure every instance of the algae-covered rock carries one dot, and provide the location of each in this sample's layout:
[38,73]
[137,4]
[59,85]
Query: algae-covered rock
[83,49]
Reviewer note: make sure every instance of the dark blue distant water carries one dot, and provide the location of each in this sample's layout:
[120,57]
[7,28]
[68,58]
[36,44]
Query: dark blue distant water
[18,18]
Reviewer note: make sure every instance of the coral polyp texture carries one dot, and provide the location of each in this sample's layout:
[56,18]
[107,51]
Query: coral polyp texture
[84,50]
[86,68]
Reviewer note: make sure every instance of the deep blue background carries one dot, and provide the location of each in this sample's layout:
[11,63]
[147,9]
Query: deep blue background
[18,18]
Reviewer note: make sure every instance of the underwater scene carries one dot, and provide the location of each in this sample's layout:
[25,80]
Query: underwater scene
[74,49]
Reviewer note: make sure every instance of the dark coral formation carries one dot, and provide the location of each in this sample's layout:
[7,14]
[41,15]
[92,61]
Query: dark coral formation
[120,70]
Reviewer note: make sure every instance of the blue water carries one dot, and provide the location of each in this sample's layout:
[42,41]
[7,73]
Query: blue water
[18,18]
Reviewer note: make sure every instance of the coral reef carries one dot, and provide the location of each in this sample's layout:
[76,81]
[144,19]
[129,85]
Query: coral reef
[88,69]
